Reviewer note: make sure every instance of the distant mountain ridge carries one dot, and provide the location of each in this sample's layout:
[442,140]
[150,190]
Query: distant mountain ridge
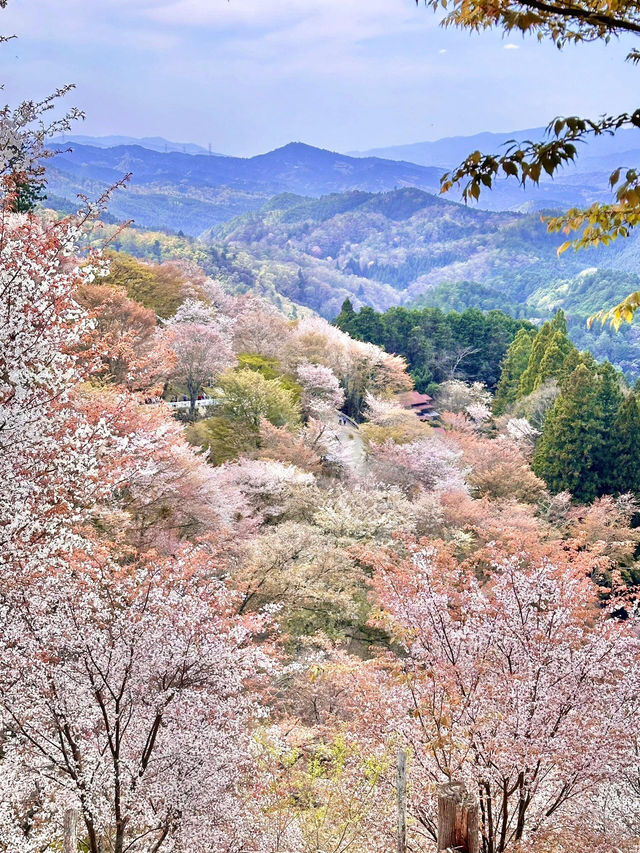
[448,152]
[194,192]
[152,143]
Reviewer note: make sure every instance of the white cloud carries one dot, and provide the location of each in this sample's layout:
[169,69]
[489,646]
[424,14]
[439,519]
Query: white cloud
[512,46]
[442,51]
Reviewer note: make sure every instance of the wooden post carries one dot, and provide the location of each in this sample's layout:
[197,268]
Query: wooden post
[70,831]
[458,827]
[402,801]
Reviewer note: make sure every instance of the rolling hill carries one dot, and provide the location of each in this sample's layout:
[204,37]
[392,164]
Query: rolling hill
[191,193]
[384,249]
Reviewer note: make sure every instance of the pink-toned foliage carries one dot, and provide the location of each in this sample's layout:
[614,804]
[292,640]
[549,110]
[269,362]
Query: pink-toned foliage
[518,685]
[199,341]
[125,337]
[124,694]
[321,391]
[124,676]
[429,463]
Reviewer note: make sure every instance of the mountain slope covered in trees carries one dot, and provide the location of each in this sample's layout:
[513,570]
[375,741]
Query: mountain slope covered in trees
[411,248]
[407,247]
[190,193]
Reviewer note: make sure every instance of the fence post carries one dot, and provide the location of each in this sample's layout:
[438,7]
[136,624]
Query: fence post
[458,827]
[402,801]
[70,831]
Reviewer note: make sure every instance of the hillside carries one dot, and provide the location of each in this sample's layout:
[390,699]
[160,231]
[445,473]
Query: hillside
[190,193]
[392,248]
[408,247]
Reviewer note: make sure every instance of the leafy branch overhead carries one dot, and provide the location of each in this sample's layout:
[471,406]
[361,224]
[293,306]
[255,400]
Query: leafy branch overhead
[527,162]
[562,22]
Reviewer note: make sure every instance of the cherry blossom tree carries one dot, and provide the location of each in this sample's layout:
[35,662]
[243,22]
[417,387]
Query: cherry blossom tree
[271,489]
[200,347]
[23,134]
[498,468]
[360,367]
[429,463]
[126,336]
[123,693]
[49,449]
[457,396]
[519,686]
[321,391]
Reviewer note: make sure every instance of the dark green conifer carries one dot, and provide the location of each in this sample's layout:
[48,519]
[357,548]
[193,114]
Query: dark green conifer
[552,363]
[625,470]
[513,366]
[610,399]
[345,318]
[549,350]
[564,456]
[538,348]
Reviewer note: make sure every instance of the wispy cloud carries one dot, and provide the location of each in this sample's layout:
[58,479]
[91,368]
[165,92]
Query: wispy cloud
[248,75]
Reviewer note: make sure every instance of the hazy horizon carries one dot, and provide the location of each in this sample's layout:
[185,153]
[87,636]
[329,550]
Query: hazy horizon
[248,76]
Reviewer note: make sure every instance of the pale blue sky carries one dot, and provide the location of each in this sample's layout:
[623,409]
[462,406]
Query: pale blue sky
[250,75]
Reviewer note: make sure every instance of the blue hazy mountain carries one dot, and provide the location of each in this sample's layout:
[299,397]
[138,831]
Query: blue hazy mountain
[450,151]
[153,143]
[194,192]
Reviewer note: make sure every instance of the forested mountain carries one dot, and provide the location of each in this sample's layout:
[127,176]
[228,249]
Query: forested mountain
[190,193]
[407,247]
[173,186]
[390,248]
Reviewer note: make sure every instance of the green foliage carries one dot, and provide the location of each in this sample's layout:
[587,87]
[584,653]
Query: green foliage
[624,475]
[549,350]
[513,366]
[585,435]
[27,193]
[468,345]
[458,295]
[270,368]
[564,455]
[247,397]
[161,288]
[222,439]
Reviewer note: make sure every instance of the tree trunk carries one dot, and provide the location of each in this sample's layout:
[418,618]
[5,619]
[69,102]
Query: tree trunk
[70,831]
[402,801]
[457,819]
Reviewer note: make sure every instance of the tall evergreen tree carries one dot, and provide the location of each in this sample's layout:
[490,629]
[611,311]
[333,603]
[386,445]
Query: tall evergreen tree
[538,349]
[513,366]
[553,361]
[610,399]
[564,456]
[625,470]
[549,350]
[346,317]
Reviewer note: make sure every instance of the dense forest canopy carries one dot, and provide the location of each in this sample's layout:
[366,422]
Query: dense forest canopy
[469,345]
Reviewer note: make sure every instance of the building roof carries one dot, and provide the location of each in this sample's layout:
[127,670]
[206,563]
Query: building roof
[414,398]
